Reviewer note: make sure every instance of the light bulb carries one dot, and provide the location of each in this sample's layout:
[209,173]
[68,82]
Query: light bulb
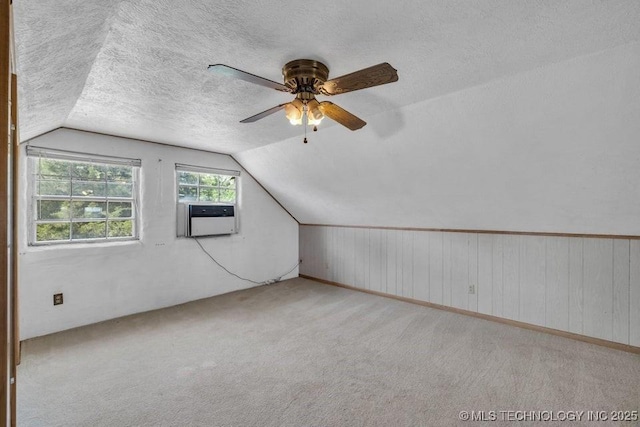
[293,114]
[314,122]
[315,116]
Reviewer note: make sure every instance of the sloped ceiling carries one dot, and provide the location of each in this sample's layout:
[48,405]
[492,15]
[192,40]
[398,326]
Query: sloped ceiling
[508,115]
[55,57]
[138,68]
[555,149]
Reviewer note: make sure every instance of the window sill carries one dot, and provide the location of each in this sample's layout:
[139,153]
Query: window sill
[43,247]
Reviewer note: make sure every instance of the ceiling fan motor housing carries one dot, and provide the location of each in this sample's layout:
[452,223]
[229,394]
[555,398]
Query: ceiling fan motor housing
[305,76]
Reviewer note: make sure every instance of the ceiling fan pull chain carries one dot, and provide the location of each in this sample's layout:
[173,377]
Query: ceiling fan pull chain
[304,122]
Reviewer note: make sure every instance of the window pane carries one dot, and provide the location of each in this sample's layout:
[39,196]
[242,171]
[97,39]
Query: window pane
[53,167]
[227,195]
[89,189]
[208,194]
[49,232]
[53,188]
[120,189]
[52,209]
[74,200]
[227,181]
[88,171]
[119,173]
[121,228]
[89,209]
[187,178]
[208,179]
[187,193]
[120,210]
[89,230]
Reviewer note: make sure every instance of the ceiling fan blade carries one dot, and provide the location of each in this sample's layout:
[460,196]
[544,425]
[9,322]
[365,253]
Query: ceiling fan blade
[264,114]
[373,76]
[225,70]
[341,115]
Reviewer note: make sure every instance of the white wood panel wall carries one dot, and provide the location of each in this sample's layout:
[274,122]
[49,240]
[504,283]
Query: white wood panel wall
[588,286]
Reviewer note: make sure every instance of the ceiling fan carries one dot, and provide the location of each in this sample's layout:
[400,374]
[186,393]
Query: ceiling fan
[306,78]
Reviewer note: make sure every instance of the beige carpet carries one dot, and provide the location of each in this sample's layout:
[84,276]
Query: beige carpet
[300,353]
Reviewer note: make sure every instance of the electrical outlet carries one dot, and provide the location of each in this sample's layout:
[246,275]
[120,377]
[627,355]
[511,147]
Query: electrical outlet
[472,289]
[57,299]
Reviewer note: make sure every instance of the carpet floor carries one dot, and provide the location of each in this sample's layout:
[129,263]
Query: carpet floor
[301,353]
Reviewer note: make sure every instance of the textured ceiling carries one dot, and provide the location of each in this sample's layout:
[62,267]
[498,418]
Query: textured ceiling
[55,55]
[138,68]
[553,149]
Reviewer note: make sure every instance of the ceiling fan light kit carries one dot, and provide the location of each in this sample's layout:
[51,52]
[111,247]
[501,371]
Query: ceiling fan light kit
[306,78]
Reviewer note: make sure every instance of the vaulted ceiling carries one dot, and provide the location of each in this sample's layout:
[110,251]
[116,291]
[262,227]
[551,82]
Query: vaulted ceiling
[509,114]
[138,68]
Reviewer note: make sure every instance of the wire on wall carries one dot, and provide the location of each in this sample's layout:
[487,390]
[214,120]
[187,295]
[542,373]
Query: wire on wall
[266,282]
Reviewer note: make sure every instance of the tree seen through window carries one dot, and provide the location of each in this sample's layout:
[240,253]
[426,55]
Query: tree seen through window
[82,200]
[206,187]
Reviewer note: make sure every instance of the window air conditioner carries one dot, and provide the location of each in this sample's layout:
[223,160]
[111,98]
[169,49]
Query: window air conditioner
[201,219]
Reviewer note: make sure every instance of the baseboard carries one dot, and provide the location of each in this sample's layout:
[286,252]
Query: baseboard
[564,334]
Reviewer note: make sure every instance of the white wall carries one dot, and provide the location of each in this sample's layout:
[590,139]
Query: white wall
[588,286]
[554,149]
[106,280]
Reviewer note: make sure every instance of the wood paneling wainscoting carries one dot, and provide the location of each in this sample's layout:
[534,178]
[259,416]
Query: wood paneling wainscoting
[582,287]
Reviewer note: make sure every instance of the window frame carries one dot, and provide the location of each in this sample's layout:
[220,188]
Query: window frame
[35,154]
[209,171]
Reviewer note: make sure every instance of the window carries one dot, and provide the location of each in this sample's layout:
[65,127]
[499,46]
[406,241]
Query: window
[84,198]
[206,185]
